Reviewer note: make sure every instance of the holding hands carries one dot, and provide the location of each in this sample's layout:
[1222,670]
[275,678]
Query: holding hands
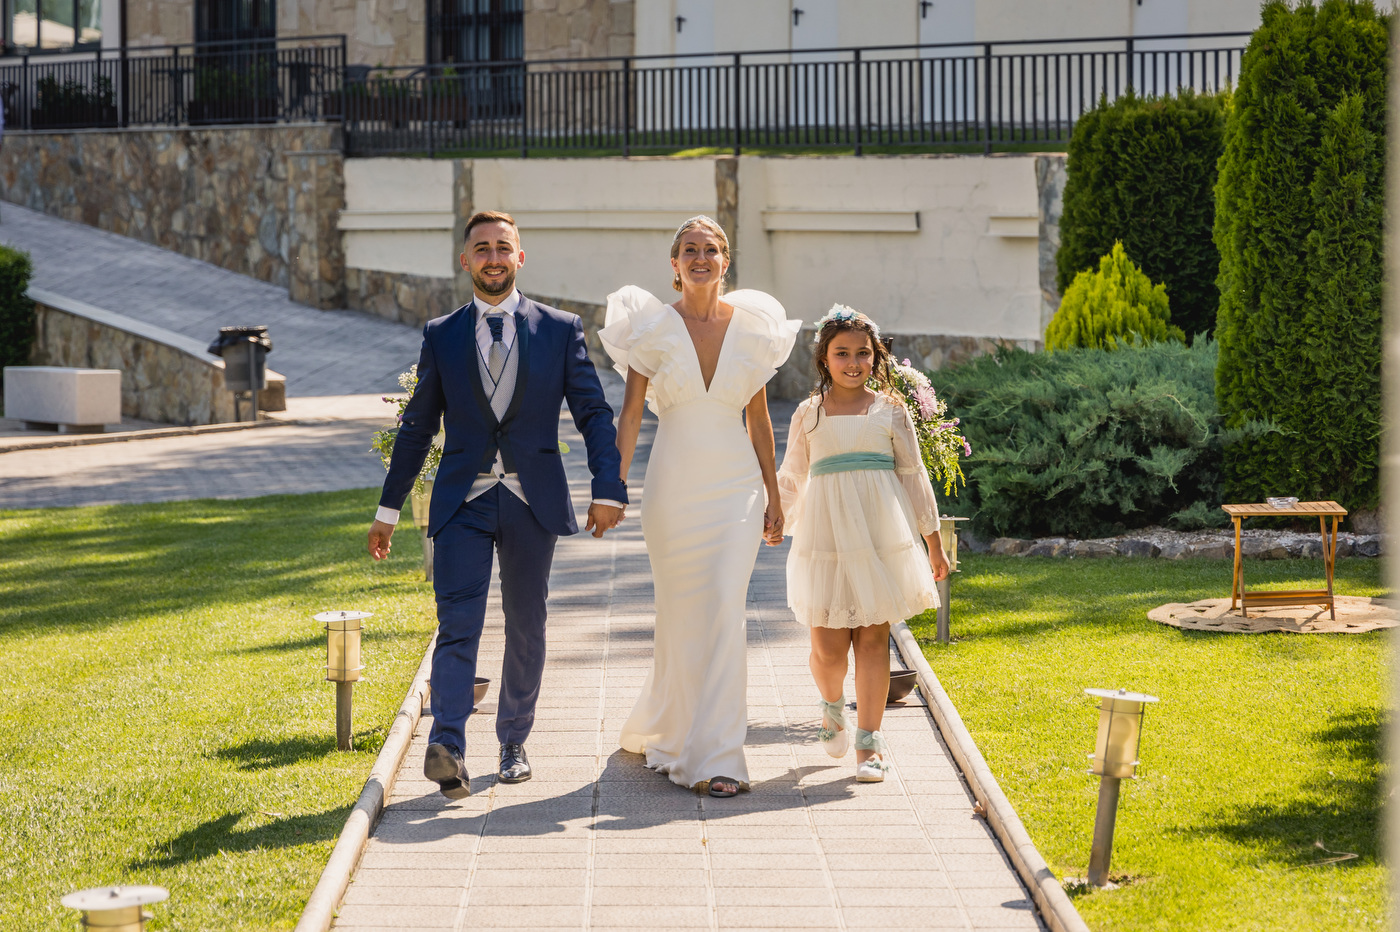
[602,518]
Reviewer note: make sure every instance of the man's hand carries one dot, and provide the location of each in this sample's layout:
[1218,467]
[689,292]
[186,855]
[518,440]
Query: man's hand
[379,534]
[602,518]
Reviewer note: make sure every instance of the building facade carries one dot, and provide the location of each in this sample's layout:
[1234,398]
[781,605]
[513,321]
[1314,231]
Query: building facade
[412,32]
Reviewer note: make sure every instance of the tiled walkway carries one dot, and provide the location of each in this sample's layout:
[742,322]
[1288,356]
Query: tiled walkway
[596,841]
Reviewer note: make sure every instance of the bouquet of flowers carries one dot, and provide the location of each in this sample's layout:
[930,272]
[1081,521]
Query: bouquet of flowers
[939,440]
[383,440]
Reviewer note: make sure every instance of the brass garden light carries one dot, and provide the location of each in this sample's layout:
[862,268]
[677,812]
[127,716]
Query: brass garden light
[343,666]
[948,531]
[1115,758]
[115,909]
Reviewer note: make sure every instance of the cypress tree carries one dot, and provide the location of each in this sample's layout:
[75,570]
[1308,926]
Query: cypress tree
[1299,211]
[1143,171]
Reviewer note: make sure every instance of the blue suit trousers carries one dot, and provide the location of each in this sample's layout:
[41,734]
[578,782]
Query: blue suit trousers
[462,558]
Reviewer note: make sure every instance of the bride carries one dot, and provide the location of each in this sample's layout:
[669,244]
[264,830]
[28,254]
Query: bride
[700,363]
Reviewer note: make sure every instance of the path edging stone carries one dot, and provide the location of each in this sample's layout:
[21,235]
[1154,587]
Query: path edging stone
[345,857]
[1054,904]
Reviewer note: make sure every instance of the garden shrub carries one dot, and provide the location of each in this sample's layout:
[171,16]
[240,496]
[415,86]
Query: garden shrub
[1088,442]
[1142,171]
[1115,306]
[1299,213]
[16,310]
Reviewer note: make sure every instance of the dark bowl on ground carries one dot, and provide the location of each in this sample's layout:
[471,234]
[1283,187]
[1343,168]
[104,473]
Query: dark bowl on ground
[483,684]
[902,683]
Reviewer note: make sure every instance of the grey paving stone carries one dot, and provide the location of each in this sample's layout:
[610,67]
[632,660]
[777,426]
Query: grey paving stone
[403,917]
[777,917]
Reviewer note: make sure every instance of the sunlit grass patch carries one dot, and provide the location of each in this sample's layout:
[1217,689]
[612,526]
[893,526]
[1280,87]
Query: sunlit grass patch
[1261,766]
[164,702]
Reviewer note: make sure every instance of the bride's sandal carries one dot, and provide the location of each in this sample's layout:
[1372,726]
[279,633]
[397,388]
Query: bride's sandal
[873,768]
[836,737]
[723,787]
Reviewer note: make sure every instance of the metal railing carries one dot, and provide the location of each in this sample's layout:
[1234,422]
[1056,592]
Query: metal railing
[240,81]
[982,95]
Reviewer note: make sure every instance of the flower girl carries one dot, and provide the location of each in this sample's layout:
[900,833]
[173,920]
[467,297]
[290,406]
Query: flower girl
[857,498]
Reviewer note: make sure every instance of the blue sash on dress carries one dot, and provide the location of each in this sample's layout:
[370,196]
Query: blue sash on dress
[851,462]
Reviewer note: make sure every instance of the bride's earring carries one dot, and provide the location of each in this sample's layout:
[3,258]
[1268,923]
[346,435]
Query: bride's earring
[676,282]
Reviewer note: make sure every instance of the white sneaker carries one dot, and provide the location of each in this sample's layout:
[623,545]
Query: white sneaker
[836,737]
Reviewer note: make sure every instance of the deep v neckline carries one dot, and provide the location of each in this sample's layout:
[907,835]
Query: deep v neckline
[695,352]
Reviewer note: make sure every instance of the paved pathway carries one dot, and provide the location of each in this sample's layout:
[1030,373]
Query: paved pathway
[320,352]
[596,841]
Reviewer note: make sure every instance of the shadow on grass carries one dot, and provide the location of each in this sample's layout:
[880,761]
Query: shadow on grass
[260,754]
[220,835]
[1337,812]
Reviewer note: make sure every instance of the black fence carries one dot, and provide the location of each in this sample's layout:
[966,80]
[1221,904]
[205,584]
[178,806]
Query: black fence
[984,96]
[242,81]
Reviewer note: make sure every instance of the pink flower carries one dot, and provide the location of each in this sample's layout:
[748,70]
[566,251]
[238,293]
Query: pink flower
[905,364]
[927,401]
[967,448]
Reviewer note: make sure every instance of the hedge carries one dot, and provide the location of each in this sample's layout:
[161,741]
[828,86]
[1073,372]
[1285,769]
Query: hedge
[16,310]
[1299,214]
[1142,171]
[1088,442]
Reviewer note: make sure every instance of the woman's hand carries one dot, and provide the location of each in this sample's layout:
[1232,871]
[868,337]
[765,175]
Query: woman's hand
[773,523]
[938,560]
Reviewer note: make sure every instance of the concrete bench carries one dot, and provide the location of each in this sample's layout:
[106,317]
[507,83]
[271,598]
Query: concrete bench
[71,400]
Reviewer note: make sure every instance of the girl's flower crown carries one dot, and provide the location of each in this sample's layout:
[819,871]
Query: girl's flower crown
[842,313]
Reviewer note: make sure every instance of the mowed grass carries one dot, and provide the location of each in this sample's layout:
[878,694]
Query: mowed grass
[164,707]
[1261,762]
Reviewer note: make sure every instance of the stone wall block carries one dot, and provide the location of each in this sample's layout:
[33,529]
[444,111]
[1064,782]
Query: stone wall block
[1050,178]
[217,194]
[159,382]
[315,197]
[407,299]
[463,206]
[727,208]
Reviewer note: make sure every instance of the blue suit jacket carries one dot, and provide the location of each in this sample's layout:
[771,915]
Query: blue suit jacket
[553,367]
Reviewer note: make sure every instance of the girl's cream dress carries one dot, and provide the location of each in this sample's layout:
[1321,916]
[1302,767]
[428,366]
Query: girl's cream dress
[854,493]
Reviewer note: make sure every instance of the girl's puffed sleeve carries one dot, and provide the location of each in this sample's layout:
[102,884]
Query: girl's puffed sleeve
[909,467]
[792,475]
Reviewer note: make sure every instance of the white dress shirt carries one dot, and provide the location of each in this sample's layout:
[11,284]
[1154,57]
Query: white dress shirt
[498,475]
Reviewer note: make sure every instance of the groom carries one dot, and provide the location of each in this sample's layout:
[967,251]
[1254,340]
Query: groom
[495,373]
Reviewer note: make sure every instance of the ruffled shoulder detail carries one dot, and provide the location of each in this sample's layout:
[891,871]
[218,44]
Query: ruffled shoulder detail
[634,321]
[765,317]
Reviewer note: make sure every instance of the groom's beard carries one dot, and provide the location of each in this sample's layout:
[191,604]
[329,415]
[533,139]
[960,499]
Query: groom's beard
[505,286]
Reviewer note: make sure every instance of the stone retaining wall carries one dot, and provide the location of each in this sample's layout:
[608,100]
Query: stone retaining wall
[166,377]
[226,195]
[399,296]
[1172,545]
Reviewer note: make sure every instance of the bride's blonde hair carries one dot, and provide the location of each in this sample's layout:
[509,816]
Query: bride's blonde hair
[704,223]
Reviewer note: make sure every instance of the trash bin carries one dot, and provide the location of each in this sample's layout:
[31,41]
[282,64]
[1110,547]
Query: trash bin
[244,351]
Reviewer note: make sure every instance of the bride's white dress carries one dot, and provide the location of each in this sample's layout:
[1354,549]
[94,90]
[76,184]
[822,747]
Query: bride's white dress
[702,517]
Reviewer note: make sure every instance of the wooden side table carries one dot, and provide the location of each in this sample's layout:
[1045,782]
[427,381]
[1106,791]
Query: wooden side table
[1322,511]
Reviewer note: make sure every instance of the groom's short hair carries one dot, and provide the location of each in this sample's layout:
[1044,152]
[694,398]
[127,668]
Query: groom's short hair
[489,216]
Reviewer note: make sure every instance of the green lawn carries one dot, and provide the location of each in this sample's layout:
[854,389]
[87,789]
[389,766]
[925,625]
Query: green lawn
[164,706]
[1264,751]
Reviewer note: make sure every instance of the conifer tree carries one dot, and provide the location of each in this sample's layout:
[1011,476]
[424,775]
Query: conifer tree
[1113,307]
[1299,210]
